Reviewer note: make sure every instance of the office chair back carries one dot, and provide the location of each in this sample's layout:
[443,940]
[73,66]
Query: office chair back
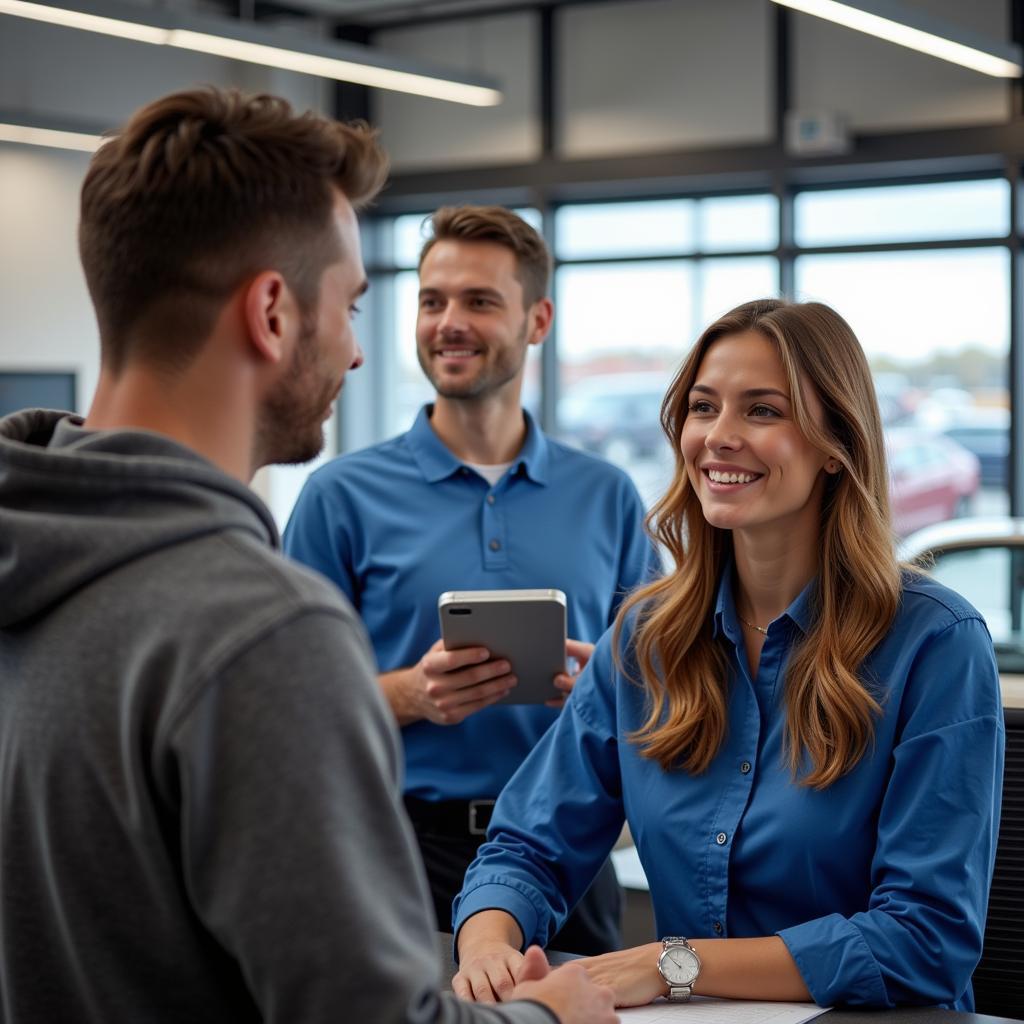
[999,978]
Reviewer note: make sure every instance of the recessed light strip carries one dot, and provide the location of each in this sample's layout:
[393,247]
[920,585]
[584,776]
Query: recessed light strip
[332,67]
[85,22]
[29,136]
[225,42]
[918,32]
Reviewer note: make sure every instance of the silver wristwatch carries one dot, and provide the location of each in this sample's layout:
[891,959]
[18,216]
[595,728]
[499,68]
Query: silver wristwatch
[679,965]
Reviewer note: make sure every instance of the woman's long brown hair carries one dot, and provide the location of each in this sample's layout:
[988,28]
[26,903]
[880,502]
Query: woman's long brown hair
[830,709]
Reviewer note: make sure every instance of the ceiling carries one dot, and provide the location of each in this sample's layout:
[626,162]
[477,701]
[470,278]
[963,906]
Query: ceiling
[379,13]
[382,11]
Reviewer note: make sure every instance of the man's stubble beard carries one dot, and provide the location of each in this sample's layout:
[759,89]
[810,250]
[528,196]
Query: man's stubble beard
[488,380]
[290,429]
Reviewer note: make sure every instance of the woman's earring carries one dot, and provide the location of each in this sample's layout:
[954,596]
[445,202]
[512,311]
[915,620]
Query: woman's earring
[833,466]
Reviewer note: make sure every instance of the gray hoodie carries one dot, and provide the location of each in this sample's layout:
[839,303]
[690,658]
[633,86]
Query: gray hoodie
[200,816]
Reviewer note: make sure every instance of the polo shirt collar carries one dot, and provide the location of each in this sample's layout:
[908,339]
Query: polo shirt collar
[436,461]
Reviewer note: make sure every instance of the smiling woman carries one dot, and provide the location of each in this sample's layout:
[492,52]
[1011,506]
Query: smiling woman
[783,394]
[791,700]
[745,455]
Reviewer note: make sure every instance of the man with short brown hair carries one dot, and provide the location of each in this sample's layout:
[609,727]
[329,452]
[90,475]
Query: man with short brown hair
[199,807]
[474,497]
[532,258]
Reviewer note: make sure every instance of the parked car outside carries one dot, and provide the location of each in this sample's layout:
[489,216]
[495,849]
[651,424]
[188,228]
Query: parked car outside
[986,432]
[932,478]
[895,397]
[616,415]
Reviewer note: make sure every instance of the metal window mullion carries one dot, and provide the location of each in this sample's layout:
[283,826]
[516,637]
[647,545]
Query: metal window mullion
[1016,369]
[550,382]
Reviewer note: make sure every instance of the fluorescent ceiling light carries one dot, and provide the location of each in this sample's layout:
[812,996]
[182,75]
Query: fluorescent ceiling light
[291,51]
[918,31]
[54,138]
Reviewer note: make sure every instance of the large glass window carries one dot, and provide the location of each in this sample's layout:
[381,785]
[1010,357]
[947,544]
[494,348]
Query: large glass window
[636,282]
[903,213]
[623,326]
[665,227]
[625,229]
[732,223]
[935,327]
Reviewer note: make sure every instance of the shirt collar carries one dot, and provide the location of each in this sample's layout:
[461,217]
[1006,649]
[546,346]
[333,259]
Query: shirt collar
[800,612]
[725,620]
[436,461]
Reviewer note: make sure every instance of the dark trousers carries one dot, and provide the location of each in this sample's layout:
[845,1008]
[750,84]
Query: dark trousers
[594,926]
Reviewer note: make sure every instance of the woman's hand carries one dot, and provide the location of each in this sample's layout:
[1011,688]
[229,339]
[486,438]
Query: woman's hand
[489,972]
[632,974]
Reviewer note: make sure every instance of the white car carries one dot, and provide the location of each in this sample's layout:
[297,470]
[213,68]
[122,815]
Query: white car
[983,560]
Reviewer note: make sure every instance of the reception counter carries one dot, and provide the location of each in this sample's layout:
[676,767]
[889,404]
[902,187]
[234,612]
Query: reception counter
[914,1015]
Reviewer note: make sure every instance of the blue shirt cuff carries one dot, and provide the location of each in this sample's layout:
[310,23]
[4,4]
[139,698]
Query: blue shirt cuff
[490,895]
[835,962]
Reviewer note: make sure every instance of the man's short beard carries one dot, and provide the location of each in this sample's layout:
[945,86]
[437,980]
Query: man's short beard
[486,382]
[290,429]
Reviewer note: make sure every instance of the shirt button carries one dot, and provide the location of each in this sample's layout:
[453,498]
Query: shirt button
[718,927]
[721,839]
[745,767]
[495,545]
[490,499]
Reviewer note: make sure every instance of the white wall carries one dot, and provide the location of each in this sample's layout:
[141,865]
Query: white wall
[47,317]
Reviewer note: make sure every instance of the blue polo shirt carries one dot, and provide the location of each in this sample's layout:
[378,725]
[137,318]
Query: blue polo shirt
[397,524]
[878,884]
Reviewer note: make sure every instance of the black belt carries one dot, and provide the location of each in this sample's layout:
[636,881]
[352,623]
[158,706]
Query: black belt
[456,818]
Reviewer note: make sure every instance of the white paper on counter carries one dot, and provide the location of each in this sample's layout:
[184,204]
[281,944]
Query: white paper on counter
[703,1010]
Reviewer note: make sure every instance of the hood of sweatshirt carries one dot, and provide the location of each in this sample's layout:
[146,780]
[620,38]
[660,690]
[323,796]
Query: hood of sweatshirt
[76,504]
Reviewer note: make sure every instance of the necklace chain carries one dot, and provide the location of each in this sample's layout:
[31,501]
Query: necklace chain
[763,630]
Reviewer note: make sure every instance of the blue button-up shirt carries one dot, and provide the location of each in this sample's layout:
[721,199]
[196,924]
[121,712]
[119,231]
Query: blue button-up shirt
[398,524]
[878,885]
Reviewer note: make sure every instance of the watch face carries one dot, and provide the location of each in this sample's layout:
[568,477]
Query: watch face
[679,965]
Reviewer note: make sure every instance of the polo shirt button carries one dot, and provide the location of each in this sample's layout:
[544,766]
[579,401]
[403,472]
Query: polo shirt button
[495,545]
[721,839]
[490,499]
[745,767]
[718,927]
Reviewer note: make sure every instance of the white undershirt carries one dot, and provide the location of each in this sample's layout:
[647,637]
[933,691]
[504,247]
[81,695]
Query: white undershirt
[492,474]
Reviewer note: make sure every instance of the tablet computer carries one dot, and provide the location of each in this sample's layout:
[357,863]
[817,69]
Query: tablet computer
[527,627]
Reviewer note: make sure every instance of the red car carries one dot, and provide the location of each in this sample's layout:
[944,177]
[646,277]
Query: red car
[931,478]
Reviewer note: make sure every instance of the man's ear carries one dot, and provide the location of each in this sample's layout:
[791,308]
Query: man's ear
[540,315]
[271,315]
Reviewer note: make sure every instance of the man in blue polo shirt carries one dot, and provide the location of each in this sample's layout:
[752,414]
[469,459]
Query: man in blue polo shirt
[474,497]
